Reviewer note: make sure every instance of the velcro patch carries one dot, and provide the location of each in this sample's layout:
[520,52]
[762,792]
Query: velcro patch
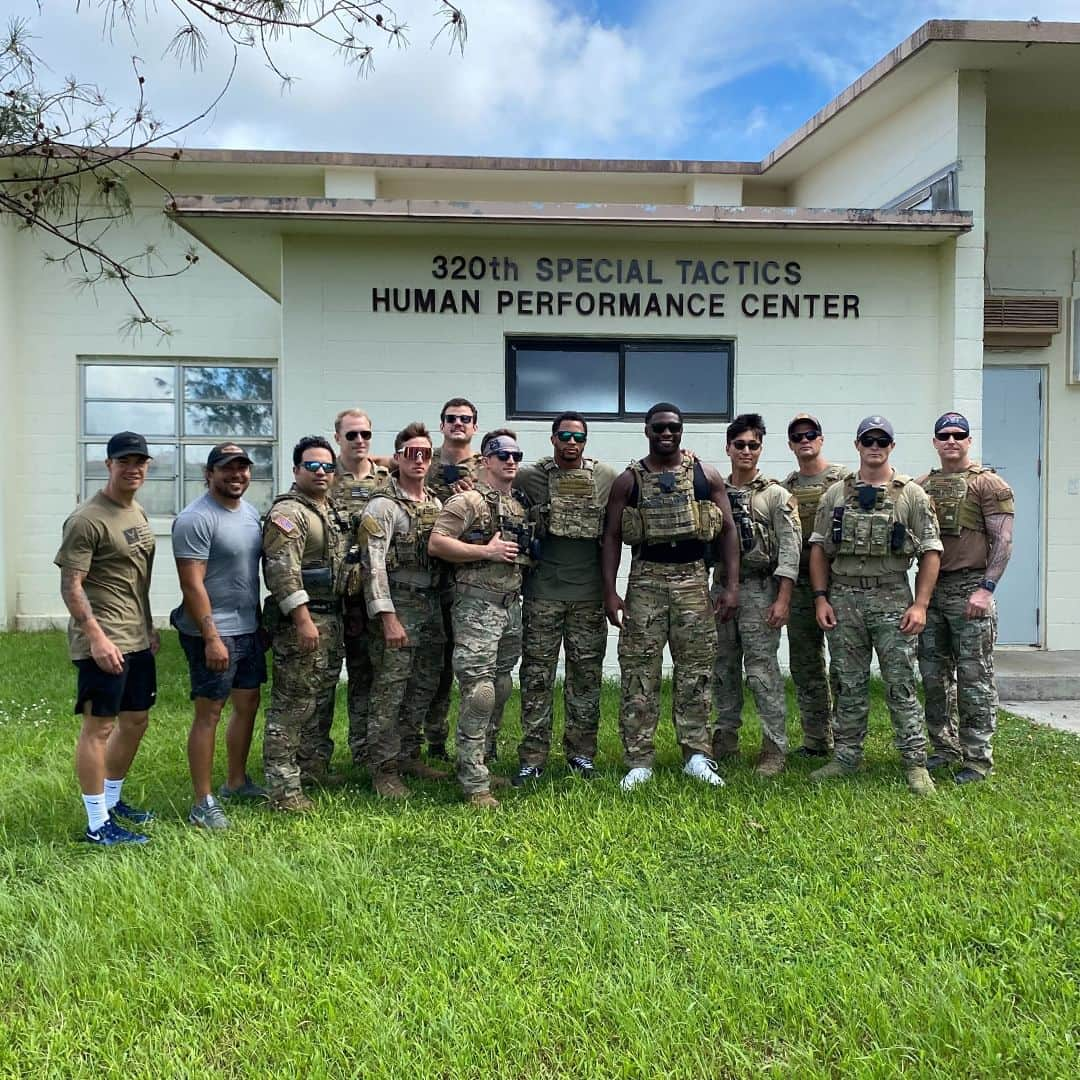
[370,526]
[283,523]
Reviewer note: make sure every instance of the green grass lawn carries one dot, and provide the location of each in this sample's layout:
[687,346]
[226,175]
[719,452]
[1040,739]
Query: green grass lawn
[681,931]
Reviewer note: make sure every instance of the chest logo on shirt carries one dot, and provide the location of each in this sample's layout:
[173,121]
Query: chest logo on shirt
[138,535]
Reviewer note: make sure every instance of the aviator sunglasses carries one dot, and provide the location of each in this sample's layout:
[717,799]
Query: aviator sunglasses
[566,436]
[672,428]
[804,436]
[317,466]
[415,453]
[352,436]
[880,441]
[945,436]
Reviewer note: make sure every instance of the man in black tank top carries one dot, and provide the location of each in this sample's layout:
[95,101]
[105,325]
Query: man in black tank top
[672,510]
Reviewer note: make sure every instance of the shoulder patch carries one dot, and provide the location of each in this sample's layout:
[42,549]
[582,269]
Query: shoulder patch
[287,526]
[370,526]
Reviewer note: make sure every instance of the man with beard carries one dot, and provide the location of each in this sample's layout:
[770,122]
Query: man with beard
[668,507]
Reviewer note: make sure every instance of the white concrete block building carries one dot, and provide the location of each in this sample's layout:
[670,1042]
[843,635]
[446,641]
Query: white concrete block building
[914,247]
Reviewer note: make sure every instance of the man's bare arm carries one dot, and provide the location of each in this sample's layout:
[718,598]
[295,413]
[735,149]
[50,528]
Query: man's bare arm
[728,601]
[104,653]
[192,574]
[999,532]
[611,546]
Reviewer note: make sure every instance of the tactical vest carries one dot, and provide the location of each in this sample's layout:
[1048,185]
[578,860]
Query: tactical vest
[808,497]
[441,477]
[351,494]
[873,530]
[950,495]
[318,567]
[408,550]
[666,510]
[756,540]
[572,510]
[507,515]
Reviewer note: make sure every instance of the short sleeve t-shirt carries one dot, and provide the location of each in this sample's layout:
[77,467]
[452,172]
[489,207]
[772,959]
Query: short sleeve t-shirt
[230,543]
[113,546]
[971,550]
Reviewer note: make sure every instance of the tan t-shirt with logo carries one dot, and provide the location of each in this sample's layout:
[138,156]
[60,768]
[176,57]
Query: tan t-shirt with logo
[114,546]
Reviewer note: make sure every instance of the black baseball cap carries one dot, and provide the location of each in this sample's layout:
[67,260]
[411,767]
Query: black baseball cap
[225,452]
[125,443]
[952,420]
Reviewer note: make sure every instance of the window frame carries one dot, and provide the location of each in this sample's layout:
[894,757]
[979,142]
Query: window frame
[179,441]
[621,345]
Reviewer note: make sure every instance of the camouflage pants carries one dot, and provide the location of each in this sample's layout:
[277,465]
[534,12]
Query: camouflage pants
[580,627]
[360,672]
[956,658]
[815,689]
[404,679]
[868,620]
[302,685]
[748,640]
[487,645]
[437,718]
[666,603]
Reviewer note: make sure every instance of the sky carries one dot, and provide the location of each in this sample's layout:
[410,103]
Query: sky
[692,79]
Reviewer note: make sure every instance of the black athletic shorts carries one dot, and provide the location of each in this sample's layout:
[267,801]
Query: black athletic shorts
[246,670]
[133,690]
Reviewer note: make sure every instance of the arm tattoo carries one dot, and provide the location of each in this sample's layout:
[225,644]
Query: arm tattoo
[71,591]
[999,532]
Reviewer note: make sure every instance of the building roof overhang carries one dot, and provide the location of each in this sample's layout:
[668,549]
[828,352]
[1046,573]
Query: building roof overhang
[247,232]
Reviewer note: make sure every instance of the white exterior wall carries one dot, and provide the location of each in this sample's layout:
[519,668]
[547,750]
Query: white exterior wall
[890,158]
[9,363]
[1033,215]
[214,311]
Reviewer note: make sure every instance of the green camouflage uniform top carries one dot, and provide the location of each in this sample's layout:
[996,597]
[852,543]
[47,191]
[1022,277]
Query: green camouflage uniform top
[393,532]
[807,491]
[870,544]
[767,512]
[440,477]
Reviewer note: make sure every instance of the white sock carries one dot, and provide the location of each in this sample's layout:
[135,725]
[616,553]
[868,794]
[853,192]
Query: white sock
[96,812]
[112,792]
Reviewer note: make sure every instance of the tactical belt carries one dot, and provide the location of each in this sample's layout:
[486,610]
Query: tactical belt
[869,581]
[492,596]
[972,571]
[413,580]
[324,607]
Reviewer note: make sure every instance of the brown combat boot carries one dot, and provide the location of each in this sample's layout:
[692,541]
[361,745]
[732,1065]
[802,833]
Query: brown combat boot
[497,781]
[388,784]
[323,778]
[771,761]
[483,800]
[415,767]
[725,744]
[295,802]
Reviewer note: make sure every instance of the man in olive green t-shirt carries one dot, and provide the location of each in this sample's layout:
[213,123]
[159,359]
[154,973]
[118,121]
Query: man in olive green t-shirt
[105,560]
[564,604]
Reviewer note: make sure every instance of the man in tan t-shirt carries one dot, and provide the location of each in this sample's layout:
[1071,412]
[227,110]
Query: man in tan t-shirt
[105,560]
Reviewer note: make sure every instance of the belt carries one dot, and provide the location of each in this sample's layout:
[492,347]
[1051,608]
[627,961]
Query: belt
[869,581]
[413,587]
[969,571]
[414,579]
[324,607]
[492,596]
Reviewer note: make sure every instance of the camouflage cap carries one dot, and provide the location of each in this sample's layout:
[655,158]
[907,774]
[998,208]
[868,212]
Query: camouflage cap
[804,418]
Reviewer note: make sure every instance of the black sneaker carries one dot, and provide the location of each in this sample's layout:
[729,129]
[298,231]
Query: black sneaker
[525,774]
[969,776]
[131,813]
[583,766]
[938,761]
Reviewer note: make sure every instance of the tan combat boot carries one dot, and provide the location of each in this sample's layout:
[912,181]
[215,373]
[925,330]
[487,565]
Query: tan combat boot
[918,781]
[388,784]
[483,800]
[831,771]
[725,744]
[415,767]
[295,802]
[771,760]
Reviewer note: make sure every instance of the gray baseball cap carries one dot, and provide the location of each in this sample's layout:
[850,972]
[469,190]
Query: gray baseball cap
[875,423]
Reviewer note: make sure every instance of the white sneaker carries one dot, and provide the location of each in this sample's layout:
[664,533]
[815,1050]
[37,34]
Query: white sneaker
[634,777]
[702,768]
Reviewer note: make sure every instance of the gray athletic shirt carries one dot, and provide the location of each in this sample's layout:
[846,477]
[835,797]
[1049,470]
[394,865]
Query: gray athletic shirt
[230,543]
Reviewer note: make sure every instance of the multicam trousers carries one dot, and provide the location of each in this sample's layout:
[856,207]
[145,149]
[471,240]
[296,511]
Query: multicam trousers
[748,640]
[580,627]
[360,672]
[666,603]
[487,645]
[815,689]
[868,619]
[437,719]
[303,684]
[956,659]
[404,679]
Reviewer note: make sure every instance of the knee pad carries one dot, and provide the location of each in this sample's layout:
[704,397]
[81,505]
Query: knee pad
[479,698]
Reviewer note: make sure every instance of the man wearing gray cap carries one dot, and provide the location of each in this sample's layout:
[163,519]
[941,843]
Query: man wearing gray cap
[217,544]
[869,526]
[975,512]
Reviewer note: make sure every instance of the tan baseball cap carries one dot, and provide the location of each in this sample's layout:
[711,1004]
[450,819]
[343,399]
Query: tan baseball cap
[804,417]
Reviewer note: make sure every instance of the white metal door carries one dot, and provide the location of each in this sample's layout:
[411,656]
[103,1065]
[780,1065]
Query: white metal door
[1012,445]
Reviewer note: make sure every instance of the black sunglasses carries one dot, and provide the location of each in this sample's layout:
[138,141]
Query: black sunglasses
[458,418]
[352,436]
[507,455]
[945,436]
[746,444]
[881,441]
[566,436]
[673,427]
[805,436]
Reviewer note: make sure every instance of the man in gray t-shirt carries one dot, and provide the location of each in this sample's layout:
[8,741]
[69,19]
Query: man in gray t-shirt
[217,543]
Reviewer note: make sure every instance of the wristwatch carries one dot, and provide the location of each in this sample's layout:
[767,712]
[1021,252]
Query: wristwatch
[987,584]
[819,592]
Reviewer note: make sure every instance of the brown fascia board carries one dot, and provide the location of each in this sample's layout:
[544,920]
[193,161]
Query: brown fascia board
[442,212]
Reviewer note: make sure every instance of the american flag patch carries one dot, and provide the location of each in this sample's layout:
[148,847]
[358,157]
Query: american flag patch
[283,523]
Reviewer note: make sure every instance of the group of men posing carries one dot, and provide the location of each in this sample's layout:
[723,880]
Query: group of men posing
[443,562]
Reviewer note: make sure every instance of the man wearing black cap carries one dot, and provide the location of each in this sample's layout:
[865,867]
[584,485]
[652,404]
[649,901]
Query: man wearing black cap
[975,512]
[217,543]
[105,559]
[815,689]
[868,528]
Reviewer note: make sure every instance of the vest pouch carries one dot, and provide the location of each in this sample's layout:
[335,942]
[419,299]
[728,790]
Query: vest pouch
[350,580]
[807,500]
[633,528]
[969,516]
[880,534]
[948,515]
[318,582]
[668,518]
[709,521]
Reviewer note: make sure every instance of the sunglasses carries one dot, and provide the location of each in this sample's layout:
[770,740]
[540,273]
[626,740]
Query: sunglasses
[317,466]
[746,444]
[507,455]
[672,428]
[805,436]
[567,436]
[945,436]
[415,453]
[458,418]
[352,436]
[880,441]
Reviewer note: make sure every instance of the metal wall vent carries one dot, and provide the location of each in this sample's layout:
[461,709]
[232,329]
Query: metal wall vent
[1021,320]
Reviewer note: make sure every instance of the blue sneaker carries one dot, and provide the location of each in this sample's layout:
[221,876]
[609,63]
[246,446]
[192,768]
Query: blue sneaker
[110,833]
[131,813]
